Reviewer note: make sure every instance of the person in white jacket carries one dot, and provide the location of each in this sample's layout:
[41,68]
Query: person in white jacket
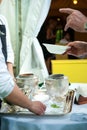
[8,88]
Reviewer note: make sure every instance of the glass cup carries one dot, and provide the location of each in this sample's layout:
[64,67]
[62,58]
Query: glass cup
[57,88]
[28,84]
[57,85]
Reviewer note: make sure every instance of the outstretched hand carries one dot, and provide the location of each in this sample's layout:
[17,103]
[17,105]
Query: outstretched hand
[75,20]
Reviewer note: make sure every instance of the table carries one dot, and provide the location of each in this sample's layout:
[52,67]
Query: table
[32,122]
[76,120]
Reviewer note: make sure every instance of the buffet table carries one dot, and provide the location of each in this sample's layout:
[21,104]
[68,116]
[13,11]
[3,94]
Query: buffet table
[75,120]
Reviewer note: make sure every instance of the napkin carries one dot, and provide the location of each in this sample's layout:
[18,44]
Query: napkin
[81,95]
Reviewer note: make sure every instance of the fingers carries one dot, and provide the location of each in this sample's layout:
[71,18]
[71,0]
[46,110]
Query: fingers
[66,10]
[41,110]
[72,43]
[44,107]
[38,108]
[70,52]
[69,18]
[68,24]
[67,51]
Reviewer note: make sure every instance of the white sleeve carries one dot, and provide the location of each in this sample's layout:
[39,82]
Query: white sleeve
[10,54]
[6,81]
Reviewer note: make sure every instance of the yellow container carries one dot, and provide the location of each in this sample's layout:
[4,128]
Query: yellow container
[76,70]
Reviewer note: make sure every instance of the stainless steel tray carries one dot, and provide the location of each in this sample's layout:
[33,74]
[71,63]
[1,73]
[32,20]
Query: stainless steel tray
[67,108]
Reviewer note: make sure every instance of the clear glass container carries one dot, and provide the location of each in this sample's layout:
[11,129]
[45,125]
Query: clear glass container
[28,83]
[57,88]
[57,85]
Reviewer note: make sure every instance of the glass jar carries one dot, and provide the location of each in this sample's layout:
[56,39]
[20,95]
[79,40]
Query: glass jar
[28,83]
[57,85]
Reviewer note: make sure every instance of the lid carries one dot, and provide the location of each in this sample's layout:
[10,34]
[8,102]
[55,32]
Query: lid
[26,76]
[56,76]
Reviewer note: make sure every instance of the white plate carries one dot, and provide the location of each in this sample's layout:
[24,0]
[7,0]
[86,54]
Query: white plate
[56,49]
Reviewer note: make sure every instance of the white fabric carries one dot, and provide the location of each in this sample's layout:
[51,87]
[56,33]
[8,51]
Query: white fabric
[7,9]
[31,56]
[82,90]
[10,54]
[6,80]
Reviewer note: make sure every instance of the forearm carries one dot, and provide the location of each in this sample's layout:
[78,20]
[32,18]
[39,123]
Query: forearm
[18,98]
[10,68]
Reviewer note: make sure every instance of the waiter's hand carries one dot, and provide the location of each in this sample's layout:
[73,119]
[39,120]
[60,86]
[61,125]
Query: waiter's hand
[77,48]
[37,107]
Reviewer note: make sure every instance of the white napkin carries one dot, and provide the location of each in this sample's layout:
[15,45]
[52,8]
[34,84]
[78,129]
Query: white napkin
[82,90]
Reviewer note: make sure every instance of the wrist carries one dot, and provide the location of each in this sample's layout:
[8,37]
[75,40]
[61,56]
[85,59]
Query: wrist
[29,107]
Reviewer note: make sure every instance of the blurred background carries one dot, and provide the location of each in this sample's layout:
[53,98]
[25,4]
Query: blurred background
[16,13]
[60,37]
[75,4]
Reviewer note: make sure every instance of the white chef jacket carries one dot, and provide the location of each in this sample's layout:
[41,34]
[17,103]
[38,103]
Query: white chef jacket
[6,80]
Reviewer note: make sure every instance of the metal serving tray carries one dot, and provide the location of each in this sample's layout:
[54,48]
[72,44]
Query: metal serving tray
[12,110]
